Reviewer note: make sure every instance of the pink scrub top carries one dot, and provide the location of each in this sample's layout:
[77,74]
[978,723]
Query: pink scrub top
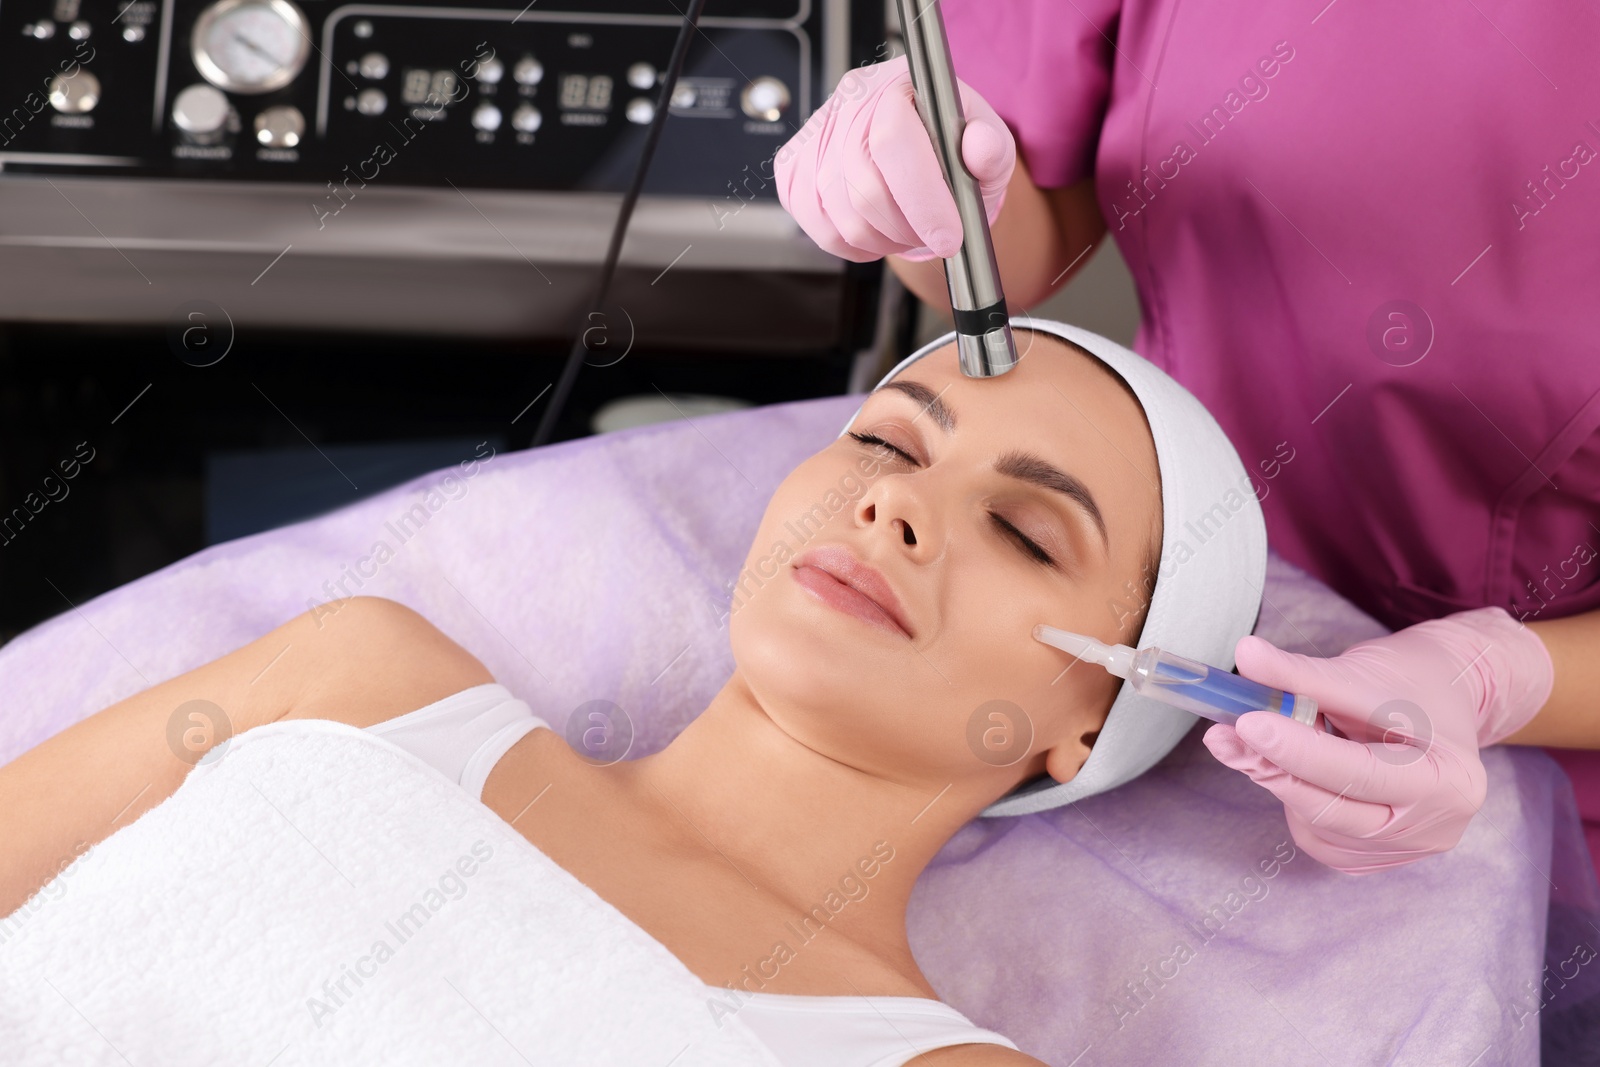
[1367,237]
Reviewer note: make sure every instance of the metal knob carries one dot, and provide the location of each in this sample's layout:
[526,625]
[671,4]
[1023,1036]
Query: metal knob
[280,127]
[764,99]
[200,111]
[74,95]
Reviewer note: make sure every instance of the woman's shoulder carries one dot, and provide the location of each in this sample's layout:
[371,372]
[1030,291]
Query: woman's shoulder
[367,659]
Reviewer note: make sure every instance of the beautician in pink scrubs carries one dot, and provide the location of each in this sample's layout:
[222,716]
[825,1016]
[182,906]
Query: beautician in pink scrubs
[1367,236]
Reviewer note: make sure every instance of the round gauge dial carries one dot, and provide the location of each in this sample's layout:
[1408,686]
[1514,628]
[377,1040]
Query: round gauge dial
[250,46]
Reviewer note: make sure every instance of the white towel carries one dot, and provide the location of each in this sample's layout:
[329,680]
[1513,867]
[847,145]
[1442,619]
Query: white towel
[319,896]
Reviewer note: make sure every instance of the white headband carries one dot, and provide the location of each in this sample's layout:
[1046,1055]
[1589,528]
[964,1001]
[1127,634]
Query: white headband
[1208,588]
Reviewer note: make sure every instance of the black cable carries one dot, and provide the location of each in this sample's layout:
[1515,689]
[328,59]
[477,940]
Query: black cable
[569,372]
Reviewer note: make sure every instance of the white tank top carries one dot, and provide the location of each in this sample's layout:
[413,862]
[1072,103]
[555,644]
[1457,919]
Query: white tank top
[465,734]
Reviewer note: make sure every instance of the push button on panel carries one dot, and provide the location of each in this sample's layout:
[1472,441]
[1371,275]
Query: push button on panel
[641,75]
[486,117]
[527,119]
[490,71]
[640,111]
[528,71]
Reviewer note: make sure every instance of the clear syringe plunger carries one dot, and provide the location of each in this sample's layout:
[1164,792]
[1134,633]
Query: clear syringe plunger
[1209,692]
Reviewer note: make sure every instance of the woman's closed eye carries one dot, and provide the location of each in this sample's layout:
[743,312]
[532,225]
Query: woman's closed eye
[1016,536]
[874,439]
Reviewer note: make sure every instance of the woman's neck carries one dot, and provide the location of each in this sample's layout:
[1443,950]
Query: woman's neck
[798,825]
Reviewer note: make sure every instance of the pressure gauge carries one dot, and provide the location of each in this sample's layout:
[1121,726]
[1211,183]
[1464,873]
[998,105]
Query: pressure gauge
[250,46]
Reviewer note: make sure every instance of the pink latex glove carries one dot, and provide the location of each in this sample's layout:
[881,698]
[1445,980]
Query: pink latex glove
[862,178]
[1416,706]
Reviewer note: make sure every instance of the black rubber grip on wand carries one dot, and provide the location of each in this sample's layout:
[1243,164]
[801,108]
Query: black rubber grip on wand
[979,322]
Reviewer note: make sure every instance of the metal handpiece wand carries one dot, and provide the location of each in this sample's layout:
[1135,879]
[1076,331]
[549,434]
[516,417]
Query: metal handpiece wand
[984,344]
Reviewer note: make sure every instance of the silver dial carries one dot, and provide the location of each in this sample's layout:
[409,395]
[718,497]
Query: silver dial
[250,46]
[76,94]
[201,112]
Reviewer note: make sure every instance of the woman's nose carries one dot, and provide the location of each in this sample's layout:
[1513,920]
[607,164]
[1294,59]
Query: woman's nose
[898,510]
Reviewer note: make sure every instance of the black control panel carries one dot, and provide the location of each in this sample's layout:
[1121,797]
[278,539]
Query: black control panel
[537,96]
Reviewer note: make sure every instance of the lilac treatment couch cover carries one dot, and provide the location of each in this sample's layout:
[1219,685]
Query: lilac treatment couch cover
[1170,921]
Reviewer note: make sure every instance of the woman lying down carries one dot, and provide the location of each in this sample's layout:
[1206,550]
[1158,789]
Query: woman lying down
[887,690]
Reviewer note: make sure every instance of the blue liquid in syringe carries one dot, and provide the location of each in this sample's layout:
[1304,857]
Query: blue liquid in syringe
[1210,692]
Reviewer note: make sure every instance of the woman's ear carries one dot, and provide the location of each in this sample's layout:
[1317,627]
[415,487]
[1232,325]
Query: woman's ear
[1065,760]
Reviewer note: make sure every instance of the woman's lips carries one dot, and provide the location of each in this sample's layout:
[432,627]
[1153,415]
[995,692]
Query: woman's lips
[836,577]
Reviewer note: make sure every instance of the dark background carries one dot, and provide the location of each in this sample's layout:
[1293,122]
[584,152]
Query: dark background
[382,408]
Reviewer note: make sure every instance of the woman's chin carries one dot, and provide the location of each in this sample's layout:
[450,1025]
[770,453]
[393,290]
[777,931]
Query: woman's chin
[815,659]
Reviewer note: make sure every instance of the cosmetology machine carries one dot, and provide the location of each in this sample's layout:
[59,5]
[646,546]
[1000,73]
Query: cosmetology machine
[424,168]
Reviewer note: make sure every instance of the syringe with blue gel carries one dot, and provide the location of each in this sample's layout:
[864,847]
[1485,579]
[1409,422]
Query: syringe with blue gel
[1209,692]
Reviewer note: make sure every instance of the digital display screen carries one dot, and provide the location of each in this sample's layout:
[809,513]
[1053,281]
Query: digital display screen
[415,89]
[588,91]
[418,84]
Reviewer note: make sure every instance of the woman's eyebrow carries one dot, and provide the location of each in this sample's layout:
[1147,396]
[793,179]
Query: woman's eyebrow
[930,401]
[1024,466]
[1027,467]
